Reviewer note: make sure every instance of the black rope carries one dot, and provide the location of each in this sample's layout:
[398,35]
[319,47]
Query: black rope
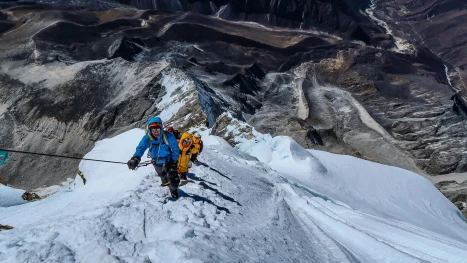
[144,163]
[61,156]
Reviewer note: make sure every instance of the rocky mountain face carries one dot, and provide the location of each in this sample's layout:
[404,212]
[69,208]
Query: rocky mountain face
[438,26]
[338,75]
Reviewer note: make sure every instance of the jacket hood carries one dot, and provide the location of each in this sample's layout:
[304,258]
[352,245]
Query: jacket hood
[185,135]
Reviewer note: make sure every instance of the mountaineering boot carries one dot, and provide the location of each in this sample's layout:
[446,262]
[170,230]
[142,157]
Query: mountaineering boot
[174,183]
[183,176]
[164,180]
[173,192]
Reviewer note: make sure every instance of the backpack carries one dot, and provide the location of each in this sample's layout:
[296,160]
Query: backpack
[177,134]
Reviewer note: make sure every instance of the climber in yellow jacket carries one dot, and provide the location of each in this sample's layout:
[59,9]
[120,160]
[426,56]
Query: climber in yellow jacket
[197,147]
[185,145]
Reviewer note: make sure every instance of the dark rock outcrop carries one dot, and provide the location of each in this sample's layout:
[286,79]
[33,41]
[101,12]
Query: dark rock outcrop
[30,196]
[70,76]
[455,192]
[68,42]
[5,26]
[5,227]
[343,16]
[436,25]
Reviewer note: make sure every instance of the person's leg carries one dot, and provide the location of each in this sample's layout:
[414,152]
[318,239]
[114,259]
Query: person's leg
[193,157]
[183,161]
[174,179]
[174,182]
[183,176]
[160,170]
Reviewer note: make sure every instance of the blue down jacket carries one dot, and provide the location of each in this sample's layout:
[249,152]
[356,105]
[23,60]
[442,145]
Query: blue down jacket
[159,150]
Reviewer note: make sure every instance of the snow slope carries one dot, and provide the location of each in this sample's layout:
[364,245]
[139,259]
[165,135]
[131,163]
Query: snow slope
[295,206]
[379,190]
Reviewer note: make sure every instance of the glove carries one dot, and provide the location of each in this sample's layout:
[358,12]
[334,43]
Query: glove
[190,164]
[133,162]
[171,165]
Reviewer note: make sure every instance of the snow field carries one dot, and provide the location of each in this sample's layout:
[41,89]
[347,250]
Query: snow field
[296,205]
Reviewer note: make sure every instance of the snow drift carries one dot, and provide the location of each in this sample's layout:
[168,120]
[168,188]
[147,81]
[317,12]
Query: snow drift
[376,189]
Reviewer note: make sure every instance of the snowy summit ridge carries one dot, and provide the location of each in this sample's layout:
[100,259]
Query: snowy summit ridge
[296,205]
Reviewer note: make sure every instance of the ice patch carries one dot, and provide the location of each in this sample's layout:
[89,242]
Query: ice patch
[303,110]
[11,196]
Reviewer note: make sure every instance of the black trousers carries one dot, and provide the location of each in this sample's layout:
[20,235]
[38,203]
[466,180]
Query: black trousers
[165,175]
[160,169]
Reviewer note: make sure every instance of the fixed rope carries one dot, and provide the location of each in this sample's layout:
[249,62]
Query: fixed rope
[71,157]
[144,163]
[61,156]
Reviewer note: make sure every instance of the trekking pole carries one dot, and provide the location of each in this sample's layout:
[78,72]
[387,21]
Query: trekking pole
[62,156]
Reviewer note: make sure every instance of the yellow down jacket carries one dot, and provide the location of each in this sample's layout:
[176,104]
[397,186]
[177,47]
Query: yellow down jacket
[185,154]
[197,145]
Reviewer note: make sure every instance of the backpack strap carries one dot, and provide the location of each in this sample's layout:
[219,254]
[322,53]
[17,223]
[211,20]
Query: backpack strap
[166,141]
[150,142]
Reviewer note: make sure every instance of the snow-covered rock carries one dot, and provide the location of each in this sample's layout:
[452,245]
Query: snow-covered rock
[233,130]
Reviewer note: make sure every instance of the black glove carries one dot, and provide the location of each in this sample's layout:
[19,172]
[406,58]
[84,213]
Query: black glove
[133,162]
[171,165]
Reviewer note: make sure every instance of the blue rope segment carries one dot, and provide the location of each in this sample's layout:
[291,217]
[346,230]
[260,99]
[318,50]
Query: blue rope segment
[3,158]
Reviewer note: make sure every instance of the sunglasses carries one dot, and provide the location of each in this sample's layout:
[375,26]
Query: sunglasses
[186,142]
[155,129]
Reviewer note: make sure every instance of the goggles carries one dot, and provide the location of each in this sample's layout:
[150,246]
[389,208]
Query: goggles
[155,125]
[186,142]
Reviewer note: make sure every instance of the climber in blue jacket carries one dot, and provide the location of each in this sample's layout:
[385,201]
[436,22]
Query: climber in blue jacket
[163,149]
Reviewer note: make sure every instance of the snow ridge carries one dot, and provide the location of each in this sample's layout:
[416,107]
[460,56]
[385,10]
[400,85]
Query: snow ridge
[290,205]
